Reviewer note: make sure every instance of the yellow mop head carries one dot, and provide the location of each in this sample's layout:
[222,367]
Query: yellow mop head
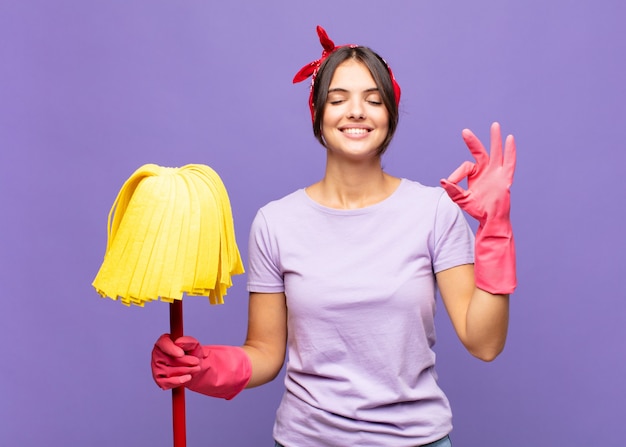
[170,231]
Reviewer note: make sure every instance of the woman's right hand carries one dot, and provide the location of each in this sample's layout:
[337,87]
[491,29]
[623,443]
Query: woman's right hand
[174,363]
[214,370]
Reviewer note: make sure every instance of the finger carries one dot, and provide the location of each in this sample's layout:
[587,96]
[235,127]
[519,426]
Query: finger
[476,147]
[510,157]
[495,151]
[191,346]
[465,170]
[454,191]
[167,383]
[175,370]
[167,346]
[187,343]
[187,361]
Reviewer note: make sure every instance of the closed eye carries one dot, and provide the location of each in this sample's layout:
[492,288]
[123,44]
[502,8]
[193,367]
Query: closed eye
[374,98]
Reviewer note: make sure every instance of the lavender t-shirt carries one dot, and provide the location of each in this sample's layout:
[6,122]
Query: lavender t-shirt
[360,291]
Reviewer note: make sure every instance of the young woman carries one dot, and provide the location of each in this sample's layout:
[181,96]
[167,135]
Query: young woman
[343,276]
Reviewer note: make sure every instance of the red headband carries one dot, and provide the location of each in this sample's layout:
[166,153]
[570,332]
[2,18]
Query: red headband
[312,68]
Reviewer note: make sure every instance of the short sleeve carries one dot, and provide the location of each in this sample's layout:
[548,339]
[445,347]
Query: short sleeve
[453,237]
[264,273]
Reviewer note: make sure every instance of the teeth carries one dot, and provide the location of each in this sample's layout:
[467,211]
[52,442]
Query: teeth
[355,131]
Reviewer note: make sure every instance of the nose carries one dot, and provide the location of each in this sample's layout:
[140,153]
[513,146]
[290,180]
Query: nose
[356,109]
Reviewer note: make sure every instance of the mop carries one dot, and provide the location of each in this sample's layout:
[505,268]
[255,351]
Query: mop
[170,233]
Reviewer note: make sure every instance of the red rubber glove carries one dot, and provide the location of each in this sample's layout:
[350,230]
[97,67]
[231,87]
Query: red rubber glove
[487,199]
[217,371]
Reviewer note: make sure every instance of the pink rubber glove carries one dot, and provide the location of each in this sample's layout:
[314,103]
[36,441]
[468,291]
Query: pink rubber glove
[487,199]
[171,365]
[217,371]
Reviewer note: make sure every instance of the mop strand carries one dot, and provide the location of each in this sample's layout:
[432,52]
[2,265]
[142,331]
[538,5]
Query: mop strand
[170,232]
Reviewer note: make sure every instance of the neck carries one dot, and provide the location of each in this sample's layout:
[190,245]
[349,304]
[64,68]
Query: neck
[353,186]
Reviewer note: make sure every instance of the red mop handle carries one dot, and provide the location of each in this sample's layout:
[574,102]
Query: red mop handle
[178,394]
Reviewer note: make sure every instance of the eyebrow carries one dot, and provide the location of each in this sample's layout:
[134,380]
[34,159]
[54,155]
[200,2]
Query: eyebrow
[343,90]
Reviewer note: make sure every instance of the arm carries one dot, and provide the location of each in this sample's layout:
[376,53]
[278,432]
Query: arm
[477,297]
[479,318]
[267,336]
[488,200]
[224,371]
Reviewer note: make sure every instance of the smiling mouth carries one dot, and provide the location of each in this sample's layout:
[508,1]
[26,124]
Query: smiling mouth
[355,131]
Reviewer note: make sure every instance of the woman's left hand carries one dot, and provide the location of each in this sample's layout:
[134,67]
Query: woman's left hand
[488,200]
[488,179]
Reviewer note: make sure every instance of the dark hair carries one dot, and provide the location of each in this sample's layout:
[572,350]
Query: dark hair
[379,71]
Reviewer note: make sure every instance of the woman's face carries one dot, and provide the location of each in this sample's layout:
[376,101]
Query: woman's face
[355,121]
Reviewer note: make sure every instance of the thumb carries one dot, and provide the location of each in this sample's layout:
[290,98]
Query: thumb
[186,342]
[167,346]
[190,345]
[455,192]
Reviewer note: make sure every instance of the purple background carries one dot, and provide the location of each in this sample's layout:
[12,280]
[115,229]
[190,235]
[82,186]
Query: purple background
[91,90]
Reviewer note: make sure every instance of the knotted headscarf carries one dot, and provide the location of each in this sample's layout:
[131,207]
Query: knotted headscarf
[311,69]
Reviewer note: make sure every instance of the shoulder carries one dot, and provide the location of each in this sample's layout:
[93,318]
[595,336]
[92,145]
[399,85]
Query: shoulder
[281,211]
[413,190]
[428,202]
[285,204]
